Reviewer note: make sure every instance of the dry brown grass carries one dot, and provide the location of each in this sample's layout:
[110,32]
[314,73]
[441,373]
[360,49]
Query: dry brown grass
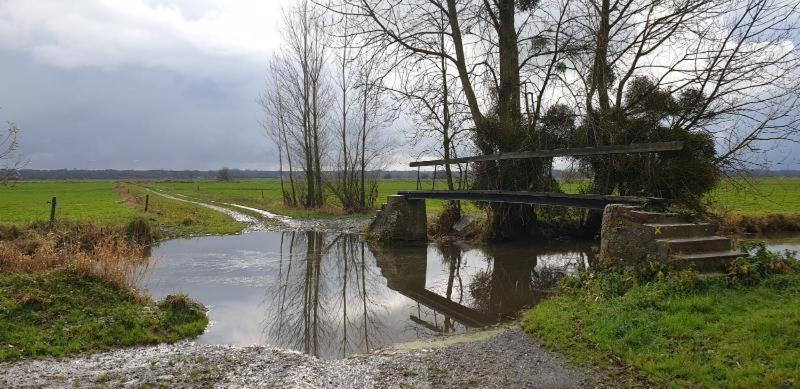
[84,249]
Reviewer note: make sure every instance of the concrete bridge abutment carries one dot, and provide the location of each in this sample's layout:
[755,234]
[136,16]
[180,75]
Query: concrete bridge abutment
[401,220]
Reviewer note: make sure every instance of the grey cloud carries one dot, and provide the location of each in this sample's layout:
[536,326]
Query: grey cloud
[133,117]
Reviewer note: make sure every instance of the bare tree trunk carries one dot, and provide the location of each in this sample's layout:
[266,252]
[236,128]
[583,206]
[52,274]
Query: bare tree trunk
[318,199]
[362,186]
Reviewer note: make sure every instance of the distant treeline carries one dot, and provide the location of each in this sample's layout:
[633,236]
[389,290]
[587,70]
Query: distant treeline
[110,174]
[772,173]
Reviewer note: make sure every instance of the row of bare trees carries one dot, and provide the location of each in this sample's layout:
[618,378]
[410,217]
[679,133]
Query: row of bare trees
[521,75]
[326,110]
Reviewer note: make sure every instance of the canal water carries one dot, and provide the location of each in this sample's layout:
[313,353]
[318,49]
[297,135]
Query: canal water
[780,242]
[332,295]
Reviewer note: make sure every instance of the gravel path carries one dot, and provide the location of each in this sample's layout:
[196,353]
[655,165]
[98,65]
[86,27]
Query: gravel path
[273,222]
[506,359]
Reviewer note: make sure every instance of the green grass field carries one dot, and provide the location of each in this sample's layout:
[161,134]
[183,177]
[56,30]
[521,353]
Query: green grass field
[97,201]
[94,201]
[100,203]
[758,197]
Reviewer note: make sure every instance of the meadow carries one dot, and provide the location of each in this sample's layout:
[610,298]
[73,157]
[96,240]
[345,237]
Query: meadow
[104,202]
[107,203]
[94,201]
[757,197]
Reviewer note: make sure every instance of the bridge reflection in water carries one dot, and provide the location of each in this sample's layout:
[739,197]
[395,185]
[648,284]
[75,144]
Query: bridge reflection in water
[336,295]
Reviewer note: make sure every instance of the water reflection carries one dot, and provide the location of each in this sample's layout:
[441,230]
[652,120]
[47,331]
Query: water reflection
[332,295]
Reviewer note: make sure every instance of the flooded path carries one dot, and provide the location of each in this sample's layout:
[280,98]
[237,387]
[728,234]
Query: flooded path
[332,295]
[251,223]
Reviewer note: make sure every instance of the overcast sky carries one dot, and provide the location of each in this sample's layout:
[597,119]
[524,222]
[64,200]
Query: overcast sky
[145,84]
[137,84]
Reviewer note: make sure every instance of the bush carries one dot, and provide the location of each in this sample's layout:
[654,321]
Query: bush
[761,262]
[140,232]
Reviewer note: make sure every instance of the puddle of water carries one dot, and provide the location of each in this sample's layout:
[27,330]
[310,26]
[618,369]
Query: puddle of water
[332,295]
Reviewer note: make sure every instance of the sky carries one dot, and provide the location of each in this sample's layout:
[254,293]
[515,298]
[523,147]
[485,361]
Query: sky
[137,84]
[148,84]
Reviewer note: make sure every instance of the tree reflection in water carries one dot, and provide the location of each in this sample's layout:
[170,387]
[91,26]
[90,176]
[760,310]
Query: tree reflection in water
[322,304]
[335,296]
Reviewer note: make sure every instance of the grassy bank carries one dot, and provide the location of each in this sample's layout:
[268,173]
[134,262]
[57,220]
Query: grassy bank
[680,330]
[107,203]
[177,218]
[61,313]
[71,288]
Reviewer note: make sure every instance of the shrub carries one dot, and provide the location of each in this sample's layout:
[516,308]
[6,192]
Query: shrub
[761,262]
[139,231]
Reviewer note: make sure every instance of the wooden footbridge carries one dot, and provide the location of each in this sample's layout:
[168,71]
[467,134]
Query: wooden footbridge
[590,201]
[404,218]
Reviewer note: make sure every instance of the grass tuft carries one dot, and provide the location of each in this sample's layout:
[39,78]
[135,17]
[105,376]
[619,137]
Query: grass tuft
[62,313]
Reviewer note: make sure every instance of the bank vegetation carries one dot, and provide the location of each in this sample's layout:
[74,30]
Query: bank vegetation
[74,287]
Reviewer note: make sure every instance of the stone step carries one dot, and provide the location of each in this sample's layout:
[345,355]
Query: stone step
[657,217]
[696,245]
[710,262]
[681,230]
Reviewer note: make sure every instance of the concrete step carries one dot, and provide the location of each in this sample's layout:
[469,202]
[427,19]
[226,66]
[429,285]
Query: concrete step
[681,230]
[696,245]
[710,262]
[657,217]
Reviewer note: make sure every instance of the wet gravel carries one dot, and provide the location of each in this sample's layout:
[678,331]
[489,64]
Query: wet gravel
[509,359]
[269,221]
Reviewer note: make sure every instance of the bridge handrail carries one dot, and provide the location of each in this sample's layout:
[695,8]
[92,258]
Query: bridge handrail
[565,152]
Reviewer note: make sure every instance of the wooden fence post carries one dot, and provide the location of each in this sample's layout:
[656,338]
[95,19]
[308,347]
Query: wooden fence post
[53,210]
[146,202]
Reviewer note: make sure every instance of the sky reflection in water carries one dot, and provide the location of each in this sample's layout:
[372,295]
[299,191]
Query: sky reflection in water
[332,295]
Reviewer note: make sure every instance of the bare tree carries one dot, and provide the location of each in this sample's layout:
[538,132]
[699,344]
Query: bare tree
[224,174]
[363,115]
[482,43]
[10,161]
[273,102]
[721,69]
[298,97]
